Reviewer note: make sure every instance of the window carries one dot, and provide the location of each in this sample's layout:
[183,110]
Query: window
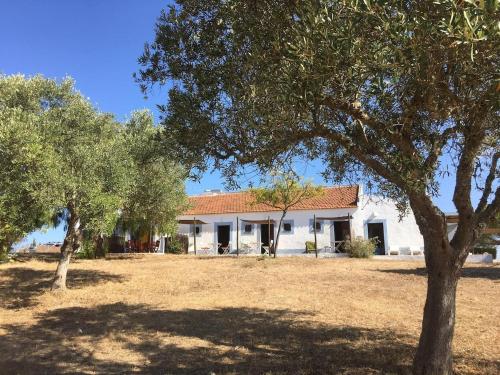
[319,226]
[246,228]
[287,226]
[196,229]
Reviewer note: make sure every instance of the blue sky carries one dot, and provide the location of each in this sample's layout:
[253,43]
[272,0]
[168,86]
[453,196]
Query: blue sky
[97,42]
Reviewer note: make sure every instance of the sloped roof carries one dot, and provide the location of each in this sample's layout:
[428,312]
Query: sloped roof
[241,202]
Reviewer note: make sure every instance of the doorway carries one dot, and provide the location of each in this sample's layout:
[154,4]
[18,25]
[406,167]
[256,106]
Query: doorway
[341,234]
[223,238]
[376,230]
[265,236]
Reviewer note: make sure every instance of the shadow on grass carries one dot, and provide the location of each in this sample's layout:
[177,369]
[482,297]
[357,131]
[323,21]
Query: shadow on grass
[120,338]
[490,272]
[24,284]
[228,340]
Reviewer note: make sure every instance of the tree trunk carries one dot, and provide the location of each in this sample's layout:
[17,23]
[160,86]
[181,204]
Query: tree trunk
[99,246]
[278,233]
[71,244]
[434,354]
[59,282]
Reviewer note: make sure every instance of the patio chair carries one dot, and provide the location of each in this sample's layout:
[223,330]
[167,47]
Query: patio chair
[394,251]
[415,251]
[309,247]
[224,250]
[206,249]
[246,248]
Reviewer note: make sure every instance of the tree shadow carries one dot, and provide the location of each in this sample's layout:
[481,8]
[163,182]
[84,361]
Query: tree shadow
[487,272]
[227,340]
[24,284]
[141,339]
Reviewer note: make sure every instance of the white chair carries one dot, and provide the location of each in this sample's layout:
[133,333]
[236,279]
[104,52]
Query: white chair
[394,251]
[414,251]
[206,249]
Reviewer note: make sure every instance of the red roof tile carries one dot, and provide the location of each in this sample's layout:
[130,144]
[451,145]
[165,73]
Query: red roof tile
[332,197]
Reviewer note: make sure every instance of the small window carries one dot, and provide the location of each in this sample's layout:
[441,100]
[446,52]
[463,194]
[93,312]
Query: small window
[319,226]
[287,227]
[246,228]
[196,229]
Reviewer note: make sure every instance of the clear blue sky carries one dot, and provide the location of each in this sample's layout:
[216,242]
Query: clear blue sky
[97,42]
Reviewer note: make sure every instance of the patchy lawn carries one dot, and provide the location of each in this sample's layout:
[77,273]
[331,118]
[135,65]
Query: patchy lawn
[179,314]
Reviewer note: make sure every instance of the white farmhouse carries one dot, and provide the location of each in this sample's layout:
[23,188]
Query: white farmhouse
[222,223]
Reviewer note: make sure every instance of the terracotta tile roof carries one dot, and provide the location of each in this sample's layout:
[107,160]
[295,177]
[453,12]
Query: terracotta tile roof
[223,203]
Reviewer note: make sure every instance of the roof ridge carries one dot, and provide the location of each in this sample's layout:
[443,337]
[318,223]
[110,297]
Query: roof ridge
[215,194]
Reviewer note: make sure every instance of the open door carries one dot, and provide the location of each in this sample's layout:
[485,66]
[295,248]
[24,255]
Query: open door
[223,237]
[342,234]
[266,236]
[376,230]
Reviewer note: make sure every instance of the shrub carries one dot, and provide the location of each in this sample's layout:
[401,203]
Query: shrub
[177,244]
[360,248]
[87,250]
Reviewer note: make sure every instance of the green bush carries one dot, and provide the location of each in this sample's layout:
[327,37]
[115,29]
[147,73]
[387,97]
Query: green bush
[360,248]
[87,250]
[177,244]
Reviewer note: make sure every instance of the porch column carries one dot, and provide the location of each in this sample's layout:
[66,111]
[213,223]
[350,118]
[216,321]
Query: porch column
[315,237]
[237,236]
[269,234]
[350,227]
[194,234]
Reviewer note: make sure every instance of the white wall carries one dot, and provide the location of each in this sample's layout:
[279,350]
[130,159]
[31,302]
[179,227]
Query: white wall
[399,235]
[288,243]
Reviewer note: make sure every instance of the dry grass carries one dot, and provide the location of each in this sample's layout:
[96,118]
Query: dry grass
[179,314]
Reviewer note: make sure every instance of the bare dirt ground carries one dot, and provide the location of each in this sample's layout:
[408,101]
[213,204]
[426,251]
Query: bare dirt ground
[180,314]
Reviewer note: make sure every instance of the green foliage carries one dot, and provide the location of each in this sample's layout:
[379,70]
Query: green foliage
[87,249]
[284,191]
[28,167]
[379,90]
[61,158]
[156,195]
[177,245]
[360,248]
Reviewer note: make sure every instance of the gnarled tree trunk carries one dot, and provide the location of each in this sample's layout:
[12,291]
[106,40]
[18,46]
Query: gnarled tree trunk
[434,354]
[71,244]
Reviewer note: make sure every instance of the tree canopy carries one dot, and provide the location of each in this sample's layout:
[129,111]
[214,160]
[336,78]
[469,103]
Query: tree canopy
[157,193]
[394,93]
[62,158]
[28,169]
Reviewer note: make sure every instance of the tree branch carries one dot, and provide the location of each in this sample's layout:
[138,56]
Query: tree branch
[488,184]
[402,143]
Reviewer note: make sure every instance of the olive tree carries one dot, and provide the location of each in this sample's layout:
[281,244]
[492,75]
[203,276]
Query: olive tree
[28,181]
[94,167]
[396,92]
[284,191]
[157,193]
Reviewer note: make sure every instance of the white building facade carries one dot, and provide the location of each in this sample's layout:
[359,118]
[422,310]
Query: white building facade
[226,222]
